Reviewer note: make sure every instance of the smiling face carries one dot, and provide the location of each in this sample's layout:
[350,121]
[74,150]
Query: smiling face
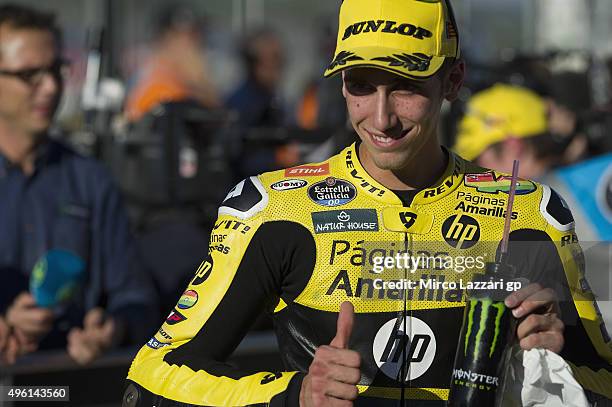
[395,117]
[28,107]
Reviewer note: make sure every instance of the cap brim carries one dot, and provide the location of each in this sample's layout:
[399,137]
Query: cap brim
[412,66]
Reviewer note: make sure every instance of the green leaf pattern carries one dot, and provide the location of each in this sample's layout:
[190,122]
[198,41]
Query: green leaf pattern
[412,62]
[343,57]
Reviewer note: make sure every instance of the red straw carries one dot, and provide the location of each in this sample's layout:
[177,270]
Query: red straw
[506,235]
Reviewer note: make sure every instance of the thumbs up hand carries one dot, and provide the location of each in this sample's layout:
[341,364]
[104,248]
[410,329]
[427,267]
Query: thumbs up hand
[334,371]
[344,327]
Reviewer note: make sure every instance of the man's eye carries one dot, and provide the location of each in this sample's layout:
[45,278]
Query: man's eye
[29,74]
[406,87]
[359,88]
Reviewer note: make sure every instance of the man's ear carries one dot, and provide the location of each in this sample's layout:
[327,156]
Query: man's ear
[453,80]
[343,85]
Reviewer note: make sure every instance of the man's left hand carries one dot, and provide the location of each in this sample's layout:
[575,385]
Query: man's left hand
[85,345]
[541,326]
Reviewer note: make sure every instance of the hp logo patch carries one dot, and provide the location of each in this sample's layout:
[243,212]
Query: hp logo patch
[461,231]
[405,346]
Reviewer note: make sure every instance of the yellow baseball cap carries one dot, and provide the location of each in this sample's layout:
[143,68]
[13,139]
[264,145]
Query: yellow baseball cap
[497,113]
[408,37]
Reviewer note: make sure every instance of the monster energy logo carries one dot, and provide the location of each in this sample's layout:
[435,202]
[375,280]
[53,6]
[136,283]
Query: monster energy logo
[485,307]
[477,380]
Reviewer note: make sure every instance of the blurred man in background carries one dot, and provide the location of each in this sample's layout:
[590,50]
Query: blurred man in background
[258,103]
[504,123]
[257,99]
[60,214]
[176,69]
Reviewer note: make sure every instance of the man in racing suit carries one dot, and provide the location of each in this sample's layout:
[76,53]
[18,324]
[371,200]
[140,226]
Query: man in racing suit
[306,242]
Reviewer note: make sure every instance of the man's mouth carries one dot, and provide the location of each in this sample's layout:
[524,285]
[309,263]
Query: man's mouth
[387,141]
[43,109]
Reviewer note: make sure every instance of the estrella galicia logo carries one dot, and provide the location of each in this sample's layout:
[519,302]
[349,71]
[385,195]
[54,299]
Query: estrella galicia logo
[408,218]
[203,271]
[175,317]
[461,231]
[287,184]
[348,220]
[332,192]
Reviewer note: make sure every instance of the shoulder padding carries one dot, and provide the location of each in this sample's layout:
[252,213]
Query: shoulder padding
[555,210]
[246,199]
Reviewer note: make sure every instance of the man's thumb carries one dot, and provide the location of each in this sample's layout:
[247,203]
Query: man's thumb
[344,326]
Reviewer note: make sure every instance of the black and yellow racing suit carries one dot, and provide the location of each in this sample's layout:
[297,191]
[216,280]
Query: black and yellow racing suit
[298,242]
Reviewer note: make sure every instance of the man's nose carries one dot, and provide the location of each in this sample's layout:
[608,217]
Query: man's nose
[49,84]
[384,116]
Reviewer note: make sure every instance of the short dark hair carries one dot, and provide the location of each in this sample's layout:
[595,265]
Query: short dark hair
[177,16]
[21,17]
[544,146]
[447,65]
[248,47]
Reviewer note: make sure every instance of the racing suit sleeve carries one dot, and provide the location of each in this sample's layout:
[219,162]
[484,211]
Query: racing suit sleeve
[242,276]
[556,260]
